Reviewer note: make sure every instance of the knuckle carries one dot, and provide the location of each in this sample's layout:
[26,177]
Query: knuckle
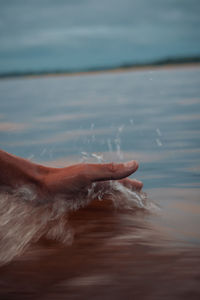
[112,167]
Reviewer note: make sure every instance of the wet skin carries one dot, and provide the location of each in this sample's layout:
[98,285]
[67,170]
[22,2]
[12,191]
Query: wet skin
[68,181]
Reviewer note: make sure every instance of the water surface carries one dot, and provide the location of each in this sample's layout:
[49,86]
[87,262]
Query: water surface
[152,116]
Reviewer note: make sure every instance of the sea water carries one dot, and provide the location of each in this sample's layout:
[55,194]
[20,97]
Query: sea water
[132,244]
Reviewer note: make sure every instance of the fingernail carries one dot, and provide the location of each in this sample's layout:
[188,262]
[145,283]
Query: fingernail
[139,182]
[131,164]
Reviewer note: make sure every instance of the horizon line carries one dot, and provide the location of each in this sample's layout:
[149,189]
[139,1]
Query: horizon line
[171,61]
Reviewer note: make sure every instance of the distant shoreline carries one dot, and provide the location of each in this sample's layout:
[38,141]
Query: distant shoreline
[162,64]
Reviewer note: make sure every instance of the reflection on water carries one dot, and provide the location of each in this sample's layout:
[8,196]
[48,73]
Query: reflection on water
[151,116]
[10,126]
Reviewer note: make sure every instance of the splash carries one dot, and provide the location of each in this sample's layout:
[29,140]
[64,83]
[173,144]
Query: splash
[24,218]
[121,196]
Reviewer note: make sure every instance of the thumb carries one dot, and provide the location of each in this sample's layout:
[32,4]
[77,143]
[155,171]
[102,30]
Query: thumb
[110,171]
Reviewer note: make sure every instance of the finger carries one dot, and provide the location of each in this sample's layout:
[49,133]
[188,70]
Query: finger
[132,184]
[111,171]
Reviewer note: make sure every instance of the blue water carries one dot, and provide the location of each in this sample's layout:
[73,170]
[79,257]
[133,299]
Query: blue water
[152,116]
[78,35]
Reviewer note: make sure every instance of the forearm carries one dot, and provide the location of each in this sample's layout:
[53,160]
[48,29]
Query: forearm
[15,171]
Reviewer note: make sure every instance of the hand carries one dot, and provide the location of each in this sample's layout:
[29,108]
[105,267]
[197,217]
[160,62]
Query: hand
[69,182]
[76,179]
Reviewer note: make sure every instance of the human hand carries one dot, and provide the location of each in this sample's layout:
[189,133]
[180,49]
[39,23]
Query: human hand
[69,182]
[75,180]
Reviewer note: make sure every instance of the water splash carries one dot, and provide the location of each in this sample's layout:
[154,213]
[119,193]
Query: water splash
[121,128]
[30,157]
[117,142]
[158,142]
[119,153]
[99,157]
[23,221]
[131,121]
[121,196]
[158,131]
[24,218]
[84,156]
[109,143]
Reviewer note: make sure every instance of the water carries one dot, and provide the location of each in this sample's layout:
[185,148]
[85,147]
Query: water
[112,248]
[25,219]
[76,35]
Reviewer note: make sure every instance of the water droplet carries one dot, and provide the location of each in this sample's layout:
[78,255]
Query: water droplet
[159,133]
[43,152]
[92,126]
[109,143]
[131,121]
[158,142]
[121,128]
[30,157]
[99,157]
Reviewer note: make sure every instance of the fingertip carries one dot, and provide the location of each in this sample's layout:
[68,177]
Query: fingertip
[133,164]
[136,164]
[140,184]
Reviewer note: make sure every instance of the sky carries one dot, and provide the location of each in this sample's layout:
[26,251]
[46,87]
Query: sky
[37,35]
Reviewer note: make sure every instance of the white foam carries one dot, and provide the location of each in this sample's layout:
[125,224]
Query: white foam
[25,218]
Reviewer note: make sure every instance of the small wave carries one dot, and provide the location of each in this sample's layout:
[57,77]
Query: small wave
[24,218]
